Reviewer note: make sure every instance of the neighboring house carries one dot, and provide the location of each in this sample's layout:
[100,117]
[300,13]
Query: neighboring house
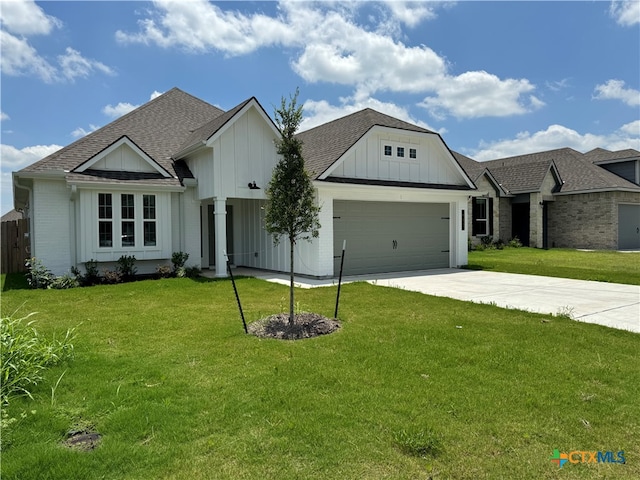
[558,198]
[178,174]
[12,216]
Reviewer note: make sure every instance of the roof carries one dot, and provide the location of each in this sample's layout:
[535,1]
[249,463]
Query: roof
[598,155]
[12,216]
[577,171]
[159,127]
[323,145]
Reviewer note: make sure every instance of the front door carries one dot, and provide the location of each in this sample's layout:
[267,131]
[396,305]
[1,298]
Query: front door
[212,234]
[520,222]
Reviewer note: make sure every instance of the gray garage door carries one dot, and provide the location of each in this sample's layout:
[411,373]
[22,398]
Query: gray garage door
[391,237]
[628,227]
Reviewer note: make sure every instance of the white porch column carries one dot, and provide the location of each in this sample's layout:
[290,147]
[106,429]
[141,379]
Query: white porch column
[220,229]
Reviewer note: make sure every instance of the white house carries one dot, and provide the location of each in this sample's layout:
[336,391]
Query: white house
[178,174]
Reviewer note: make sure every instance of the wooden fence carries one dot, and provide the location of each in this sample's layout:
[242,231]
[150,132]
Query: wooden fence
[15,245]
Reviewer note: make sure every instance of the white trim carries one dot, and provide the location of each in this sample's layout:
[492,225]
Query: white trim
[124,140]
[252,103]
[125,187]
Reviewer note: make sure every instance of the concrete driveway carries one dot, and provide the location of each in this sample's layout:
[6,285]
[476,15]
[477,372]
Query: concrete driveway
[610,304]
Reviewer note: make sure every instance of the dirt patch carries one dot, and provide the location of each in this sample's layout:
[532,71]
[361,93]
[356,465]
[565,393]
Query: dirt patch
[305,325]
[84,440]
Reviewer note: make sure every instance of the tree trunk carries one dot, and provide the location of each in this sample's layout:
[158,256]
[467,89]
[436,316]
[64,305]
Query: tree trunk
[291,245]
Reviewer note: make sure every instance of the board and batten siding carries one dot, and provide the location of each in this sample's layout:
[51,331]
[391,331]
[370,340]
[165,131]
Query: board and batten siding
[52,210]
[366,160]
[123,159]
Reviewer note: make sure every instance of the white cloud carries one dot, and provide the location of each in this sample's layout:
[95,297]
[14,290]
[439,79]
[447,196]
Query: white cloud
[481,94]
[625,12]
[21,19]
[15,159]
[330,45]
[123,108]
[155,94]
[81,132]
[3,116]
[614,90]
[74,65]
[26,18]
[558,136]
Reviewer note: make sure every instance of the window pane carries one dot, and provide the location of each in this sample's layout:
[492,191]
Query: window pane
[128,210]
[413,153]
[104,205]
[128,234]
[105,234]
[400,151]
[387,150]
[149,203]
[149,234]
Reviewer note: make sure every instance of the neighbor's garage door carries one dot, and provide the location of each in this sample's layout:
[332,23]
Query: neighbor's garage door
[390,237]
[628,227]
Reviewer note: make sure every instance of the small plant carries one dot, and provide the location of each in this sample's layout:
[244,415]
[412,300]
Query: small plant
[111,277]
[26,354]
[179,259]
[38,276]
[192,272]
[126,266]
[515,243]
[418,442]
[64,282]
[567,312]
[163,271]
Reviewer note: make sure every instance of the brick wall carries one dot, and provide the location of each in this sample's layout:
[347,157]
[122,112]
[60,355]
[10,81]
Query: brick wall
[588,220]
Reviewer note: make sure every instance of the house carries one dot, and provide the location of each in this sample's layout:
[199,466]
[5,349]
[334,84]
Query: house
[558,198]
[178,174]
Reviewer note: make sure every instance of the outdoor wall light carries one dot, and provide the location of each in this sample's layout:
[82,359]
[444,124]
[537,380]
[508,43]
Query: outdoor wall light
[253,186]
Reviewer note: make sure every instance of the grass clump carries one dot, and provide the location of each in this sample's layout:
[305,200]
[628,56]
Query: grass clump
[418,442]
[26,355]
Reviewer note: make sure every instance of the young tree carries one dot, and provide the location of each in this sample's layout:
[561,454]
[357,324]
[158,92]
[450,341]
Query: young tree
[291,210]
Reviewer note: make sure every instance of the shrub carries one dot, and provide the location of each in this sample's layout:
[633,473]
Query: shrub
[163,271]
[26,355]
[38,276]
[192,272]
[64,282]
[179,259]
[126,266]
[111,276]
[515,242]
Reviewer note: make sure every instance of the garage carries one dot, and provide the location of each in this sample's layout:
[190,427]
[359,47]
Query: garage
[628,227]
[390,237]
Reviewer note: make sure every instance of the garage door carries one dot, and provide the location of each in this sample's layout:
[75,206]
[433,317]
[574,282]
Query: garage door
[628,227]
[391,237]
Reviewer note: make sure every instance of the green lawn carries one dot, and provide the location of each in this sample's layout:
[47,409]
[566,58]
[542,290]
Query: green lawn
[603,266]
[165,373]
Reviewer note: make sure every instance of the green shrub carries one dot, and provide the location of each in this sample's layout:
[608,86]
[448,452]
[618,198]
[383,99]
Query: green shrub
[179,259]
[38,276]
[64,282]
[26,355]
[192,272]
[126,266]
[515,243]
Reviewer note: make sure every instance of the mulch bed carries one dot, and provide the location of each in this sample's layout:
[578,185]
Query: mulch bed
[305,325]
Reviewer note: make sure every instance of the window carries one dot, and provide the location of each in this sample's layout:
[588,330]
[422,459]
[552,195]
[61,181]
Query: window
[127,208]
[149,215]
[400,152]
[387,150]
[482,217]
[105,222]
[127,220]
[413,153]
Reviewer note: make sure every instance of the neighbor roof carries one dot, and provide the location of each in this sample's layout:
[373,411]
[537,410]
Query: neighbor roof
[159,127]
[598,155]
[323,145]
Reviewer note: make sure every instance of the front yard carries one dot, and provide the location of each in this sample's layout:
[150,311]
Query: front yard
[602,266]
[410,387]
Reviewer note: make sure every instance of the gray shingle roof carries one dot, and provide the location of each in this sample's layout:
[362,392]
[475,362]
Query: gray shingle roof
[158,127]
[325,144]
[577,171]
[601,155]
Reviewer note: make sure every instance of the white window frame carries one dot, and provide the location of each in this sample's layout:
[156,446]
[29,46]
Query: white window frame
[117,222]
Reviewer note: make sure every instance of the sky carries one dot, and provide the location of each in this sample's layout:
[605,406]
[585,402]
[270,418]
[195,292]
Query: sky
[495,79]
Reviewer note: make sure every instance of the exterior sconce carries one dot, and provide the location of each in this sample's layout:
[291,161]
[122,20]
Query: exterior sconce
[253,186]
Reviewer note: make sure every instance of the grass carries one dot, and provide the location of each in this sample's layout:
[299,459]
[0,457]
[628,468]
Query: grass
[164,372]
[602,266]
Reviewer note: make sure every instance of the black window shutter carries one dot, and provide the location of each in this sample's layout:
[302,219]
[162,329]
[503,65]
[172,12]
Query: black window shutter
[490,215]
[474,214]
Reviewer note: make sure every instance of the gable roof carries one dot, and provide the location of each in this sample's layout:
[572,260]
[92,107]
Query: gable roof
[600,155]
[576,170]
[323,145]
[158,128]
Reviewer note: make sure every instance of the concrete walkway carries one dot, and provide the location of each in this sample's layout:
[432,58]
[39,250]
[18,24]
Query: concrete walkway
[610,304]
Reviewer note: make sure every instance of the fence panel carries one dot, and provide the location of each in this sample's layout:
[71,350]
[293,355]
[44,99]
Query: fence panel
[15,245]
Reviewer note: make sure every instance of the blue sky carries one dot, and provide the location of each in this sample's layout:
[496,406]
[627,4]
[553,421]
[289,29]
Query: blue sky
[495,79]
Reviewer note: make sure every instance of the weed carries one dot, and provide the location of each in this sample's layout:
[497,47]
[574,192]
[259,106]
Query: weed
[418,442]
[567,312]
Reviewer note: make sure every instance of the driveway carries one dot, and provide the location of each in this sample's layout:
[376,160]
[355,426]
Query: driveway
[611,304]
